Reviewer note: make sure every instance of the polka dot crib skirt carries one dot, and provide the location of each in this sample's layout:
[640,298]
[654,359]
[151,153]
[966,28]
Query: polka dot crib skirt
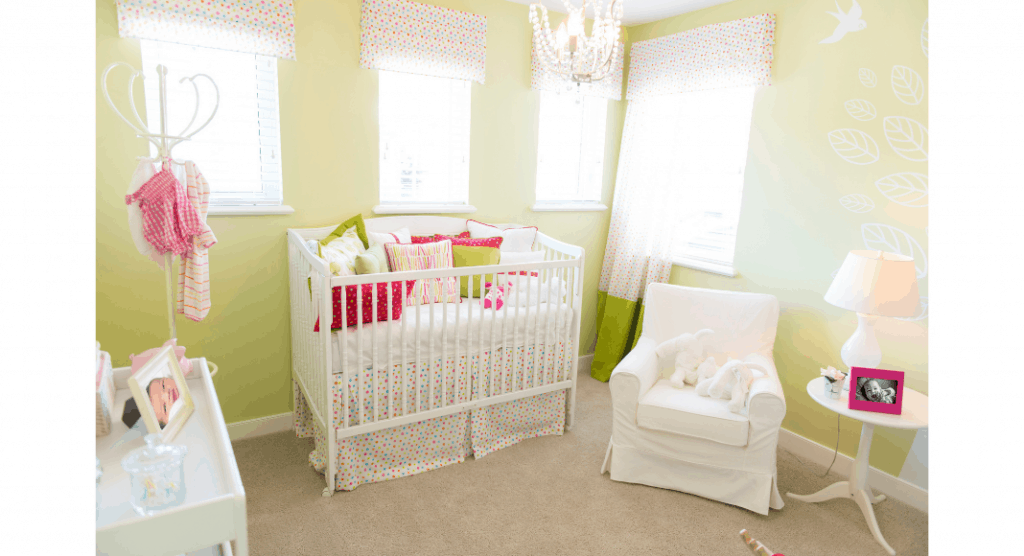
[425,445]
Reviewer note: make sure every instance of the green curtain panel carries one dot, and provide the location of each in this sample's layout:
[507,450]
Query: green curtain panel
[619,322]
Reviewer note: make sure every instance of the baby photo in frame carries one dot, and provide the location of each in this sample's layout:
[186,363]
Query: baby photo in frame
[162,396]
[877,390]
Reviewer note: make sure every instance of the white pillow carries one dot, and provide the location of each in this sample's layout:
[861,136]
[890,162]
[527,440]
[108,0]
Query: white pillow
[519,258]
[398,236]
[554,287]
[517,240]
[341,252]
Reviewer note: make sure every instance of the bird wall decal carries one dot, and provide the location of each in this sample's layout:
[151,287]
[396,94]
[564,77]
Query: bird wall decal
[848,22]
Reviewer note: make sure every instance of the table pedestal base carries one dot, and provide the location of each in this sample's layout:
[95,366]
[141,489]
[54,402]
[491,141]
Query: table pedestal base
[855,489]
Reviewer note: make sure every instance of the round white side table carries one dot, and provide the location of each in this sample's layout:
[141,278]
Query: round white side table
[914,416]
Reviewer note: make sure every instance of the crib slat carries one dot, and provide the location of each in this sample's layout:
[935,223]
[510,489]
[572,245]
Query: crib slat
[515,334]
[504,341]
[494,326]
[419,365]
[401,351]
[360,372]
[444,338]
[390,345]
[480,337]
[549,351]
[343,339]
[373,344]
[526,330]
[538,362]
[430,357]
[458,325]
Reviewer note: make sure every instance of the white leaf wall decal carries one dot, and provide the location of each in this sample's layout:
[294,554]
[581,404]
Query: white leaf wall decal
[867,77]
[860,109]
[907,84]
[854,146]
[882,237]
[922,311]
[855,202]
[909,189]
[907,137]
[924,38]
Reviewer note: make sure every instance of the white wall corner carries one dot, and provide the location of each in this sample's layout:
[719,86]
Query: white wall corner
[893,487]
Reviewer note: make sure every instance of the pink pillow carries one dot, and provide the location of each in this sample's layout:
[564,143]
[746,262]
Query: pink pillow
[471,242]
[367,293]
[426,256]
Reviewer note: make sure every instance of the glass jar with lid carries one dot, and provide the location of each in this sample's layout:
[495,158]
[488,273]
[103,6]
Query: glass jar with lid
[157,478]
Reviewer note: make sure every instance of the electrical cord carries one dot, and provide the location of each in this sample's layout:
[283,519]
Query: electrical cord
[837,448]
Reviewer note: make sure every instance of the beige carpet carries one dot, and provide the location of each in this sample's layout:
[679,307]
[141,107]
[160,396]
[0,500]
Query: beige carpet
[543,496]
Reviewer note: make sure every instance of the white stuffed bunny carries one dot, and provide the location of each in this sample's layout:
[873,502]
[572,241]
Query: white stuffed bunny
[731,382]
[689,353]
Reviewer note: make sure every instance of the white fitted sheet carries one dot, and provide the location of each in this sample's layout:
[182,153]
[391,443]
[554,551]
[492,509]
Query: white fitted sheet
[518,330]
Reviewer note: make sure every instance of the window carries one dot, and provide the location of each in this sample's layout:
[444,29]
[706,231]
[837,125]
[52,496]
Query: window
[424,143]
[240,151]
[570,150]
[696,145]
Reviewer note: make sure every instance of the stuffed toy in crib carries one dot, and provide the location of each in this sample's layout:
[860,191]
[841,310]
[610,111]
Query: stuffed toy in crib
[689,354]
[495,295]
[729,382]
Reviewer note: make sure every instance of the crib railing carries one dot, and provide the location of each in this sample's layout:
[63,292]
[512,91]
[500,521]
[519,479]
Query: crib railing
[554,337]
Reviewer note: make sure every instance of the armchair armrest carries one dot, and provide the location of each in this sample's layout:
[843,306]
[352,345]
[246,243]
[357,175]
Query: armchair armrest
[634,376]
[766,402]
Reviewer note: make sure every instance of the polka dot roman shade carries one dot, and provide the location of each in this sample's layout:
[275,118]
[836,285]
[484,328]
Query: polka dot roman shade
[265,27]
[732,54]
[405,36]
[610,87]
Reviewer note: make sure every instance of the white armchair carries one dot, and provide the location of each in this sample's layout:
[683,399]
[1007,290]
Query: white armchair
[672,438]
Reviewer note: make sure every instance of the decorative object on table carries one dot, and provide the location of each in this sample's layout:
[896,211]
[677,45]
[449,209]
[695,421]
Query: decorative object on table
[755,545]
[140,360]
[688,350]
[876,390]
[104,392]
[873,283]
[568,51]
[732,382]
[161,394]
[157,478]
[834,380]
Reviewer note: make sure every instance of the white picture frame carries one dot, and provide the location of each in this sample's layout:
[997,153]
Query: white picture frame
[174,401]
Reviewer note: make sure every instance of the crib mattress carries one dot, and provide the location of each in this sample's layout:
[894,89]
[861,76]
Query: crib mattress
[472,328]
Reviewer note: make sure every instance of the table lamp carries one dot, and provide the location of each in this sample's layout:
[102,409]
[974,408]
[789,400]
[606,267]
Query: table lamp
[874,284]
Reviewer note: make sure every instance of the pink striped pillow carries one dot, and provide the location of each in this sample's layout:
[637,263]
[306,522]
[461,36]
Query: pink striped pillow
[426,256]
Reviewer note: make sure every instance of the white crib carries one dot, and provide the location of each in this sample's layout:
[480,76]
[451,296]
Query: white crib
[361,353]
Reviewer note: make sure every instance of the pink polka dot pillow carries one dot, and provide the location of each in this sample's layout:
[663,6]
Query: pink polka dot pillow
[351,307]
[464,239]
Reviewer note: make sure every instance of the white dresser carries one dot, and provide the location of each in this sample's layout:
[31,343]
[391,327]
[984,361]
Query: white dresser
[213,513]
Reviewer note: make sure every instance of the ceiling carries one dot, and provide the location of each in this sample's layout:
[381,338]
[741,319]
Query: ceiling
[636,12]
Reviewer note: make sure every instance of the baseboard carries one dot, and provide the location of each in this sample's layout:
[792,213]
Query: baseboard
[260,426]
[892,487]
[583,365]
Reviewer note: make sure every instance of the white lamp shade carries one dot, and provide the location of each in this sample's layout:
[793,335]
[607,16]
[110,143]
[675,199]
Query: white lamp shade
[876,283]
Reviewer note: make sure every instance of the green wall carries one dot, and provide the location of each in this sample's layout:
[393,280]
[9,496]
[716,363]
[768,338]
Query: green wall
[329,146]
[793,230]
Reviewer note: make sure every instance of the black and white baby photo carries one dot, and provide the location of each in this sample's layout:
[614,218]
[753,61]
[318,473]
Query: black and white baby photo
[876,390]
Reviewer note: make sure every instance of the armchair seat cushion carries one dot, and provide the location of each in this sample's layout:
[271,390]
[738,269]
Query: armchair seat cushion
[681,411]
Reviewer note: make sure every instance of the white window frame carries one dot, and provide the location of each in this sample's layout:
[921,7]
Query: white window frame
[396,113]
[587,138]
[266,116]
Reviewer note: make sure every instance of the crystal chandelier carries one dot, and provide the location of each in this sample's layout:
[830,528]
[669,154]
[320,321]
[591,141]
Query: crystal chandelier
[568,51]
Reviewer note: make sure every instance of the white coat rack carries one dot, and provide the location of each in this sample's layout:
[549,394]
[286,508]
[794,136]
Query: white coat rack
[164,144]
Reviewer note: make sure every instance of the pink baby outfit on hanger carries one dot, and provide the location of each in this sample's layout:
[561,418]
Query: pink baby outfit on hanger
[169,220]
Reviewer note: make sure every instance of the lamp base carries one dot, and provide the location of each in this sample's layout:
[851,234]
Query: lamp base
[862,349]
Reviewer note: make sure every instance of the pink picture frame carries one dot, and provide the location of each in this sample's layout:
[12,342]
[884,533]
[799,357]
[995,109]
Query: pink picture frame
[877,390]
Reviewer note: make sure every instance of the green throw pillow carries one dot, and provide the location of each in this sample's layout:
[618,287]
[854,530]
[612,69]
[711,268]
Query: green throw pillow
[465,255]
[373,261]
[356,221]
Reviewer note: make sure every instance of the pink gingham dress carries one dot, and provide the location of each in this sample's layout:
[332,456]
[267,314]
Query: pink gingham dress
[169,220]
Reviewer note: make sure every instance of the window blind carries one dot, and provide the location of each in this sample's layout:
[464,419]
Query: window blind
[570,147]
[424,139]
[240,151]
